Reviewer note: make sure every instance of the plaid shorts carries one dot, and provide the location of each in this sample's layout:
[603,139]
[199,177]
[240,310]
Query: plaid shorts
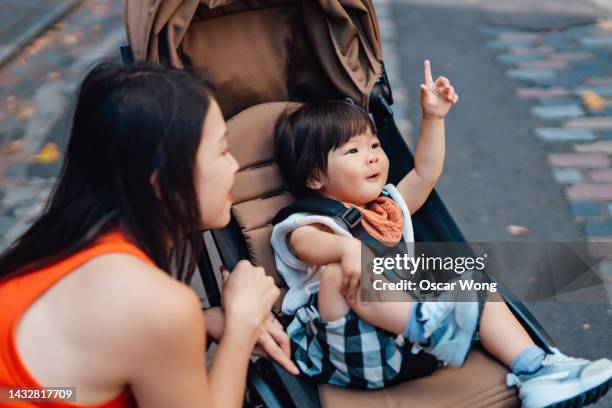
[349,352]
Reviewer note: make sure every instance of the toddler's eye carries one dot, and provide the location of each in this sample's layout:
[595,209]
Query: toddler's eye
[375,145]
[351,151]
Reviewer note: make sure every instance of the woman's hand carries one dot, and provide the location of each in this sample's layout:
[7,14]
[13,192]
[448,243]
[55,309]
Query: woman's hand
[350,262]
[214,323]
[274,343]
[436,97]
[248,297]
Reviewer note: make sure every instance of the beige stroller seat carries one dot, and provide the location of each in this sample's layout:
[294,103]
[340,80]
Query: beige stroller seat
[259,194]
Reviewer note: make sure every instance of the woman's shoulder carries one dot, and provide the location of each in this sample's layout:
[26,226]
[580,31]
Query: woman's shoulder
[151,313]
[128,300]
[137,293]
[105,314]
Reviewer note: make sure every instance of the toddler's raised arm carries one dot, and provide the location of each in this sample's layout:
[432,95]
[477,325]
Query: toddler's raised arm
[436,100]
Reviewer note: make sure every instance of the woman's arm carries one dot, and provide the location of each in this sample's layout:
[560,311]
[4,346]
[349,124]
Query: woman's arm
[172,366]
[273,341]
[164,349]
[248,296]
[229,366]
[214,323]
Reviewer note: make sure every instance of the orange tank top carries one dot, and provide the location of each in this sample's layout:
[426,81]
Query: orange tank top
[18,293]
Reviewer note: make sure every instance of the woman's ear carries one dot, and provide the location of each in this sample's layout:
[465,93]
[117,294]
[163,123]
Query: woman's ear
[155,184]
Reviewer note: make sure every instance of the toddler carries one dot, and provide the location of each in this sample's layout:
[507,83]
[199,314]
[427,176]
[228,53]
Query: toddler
[330,149]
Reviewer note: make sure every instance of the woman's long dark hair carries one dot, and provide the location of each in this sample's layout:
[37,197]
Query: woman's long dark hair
[129,124]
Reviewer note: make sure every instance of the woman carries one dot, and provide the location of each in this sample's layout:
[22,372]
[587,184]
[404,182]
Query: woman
[86,298]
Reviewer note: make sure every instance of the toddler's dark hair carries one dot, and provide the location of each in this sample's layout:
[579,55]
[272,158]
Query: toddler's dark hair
[304,136]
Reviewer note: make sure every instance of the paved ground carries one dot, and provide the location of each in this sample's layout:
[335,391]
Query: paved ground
[23,20]
[528,155]
[37,89]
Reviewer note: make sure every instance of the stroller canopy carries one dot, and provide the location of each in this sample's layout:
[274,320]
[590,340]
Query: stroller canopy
[255,51]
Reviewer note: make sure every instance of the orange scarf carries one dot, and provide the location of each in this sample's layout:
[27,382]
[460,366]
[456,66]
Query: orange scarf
[383,219]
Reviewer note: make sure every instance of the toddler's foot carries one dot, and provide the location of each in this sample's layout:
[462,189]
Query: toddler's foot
[563,381]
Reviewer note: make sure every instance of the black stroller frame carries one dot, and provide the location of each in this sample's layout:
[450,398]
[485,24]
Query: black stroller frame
[270,385]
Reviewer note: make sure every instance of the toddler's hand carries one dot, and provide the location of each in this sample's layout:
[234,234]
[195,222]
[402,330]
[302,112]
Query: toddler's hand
[436,97]
[350,263]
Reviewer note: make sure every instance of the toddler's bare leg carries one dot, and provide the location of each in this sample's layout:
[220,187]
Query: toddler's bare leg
[391,316]
[501,334]
[332,304]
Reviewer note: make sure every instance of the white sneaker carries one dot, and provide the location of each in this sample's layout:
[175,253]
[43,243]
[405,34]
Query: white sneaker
[563,381]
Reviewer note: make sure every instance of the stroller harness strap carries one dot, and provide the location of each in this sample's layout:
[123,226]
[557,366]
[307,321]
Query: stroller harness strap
[351,217]
[324,206]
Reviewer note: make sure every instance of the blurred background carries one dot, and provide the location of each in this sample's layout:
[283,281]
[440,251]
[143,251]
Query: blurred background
[529,146]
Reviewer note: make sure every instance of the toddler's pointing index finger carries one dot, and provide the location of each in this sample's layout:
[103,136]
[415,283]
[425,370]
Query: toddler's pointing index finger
[427,71]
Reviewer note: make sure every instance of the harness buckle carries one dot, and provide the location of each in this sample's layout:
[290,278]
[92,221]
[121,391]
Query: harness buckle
[351,217]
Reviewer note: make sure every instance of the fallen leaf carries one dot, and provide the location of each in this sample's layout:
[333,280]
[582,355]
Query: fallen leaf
[14,146]
[48,154]
[100,9]
[44,41]
[517,230]
[25,114]
[605,24]
[71,38]
[54,75]
[10,103]
[593,101]
[4,78]
[38,45]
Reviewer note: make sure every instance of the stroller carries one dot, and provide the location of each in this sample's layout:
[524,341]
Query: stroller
[260,55]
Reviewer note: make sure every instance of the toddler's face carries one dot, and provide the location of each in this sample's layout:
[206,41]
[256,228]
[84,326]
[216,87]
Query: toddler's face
[356,171]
